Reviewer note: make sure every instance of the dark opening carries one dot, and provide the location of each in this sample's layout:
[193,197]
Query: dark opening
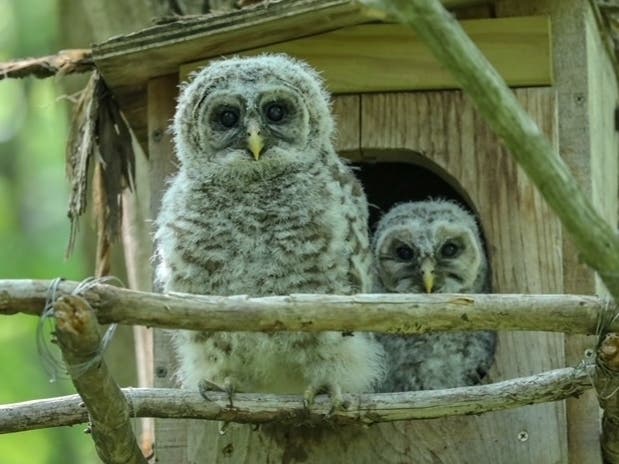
[389,183]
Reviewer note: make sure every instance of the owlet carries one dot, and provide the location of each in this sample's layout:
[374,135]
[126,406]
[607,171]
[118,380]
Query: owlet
[262,205]
[432,246]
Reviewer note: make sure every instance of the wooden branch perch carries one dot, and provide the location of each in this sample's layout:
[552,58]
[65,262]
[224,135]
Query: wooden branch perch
[64,62]
[395,313]
[363,409]
[79,339]
[596,240]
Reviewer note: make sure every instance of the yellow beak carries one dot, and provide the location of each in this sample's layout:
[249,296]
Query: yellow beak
[427,270]
[255,142]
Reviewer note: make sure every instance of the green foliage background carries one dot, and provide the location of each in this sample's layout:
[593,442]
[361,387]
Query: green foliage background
[33,224]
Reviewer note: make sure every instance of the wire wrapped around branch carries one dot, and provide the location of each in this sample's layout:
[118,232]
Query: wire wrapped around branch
[80,342]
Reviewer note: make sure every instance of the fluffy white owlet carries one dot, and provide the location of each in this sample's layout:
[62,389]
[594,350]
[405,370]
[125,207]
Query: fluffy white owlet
[432,246]
[262,205]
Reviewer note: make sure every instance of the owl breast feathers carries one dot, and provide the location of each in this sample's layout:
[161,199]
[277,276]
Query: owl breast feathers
[262,205]
[432,246]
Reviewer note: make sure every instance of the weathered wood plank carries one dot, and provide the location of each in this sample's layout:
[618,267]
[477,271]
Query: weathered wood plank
[389,57]
[603,97]
[138,251]
[522,239]
[158,50]
[346,111]
[162,92]
[586,99]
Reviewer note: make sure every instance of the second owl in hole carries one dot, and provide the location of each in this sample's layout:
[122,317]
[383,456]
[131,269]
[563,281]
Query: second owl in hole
[432,246]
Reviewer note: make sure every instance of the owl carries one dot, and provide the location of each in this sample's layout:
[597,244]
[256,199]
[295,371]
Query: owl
[432,246]
[262,205]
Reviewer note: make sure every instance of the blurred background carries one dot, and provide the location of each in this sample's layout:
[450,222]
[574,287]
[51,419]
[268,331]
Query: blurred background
[33,223]
[34,125]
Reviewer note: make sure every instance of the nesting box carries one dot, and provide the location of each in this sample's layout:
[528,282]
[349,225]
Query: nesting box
[403,121]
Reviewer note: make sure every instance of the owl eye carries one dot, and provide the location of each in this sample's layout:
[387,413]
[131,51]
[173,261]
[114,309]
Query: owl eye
[404,253]
[228,118]
[275,112]
[449,250]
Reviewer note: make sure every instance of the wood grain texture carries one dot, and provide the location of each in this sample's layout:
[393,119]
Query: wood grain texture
[346,111]
[136,57]
[160,49]
[602,101]
[138,251]
[586,100]
[389,57]
[524,243]
[162,92]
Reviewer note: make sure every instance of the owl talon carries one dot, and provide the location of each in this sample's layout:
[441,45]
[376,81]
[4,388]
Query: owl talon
[207,385]
[337,400]
[332,389]
[308,396]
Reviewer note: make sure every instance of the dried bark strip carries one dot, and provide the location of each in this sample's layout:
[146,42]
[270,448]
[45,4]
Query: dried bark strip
[79,339]
[64,62]
[394,313]
[261,408]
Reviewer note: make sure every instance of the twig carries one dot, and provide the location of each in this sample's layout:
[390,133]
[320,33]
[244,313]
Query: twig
[80,342]
[261,408]
[595,239]
[64,62]
[394,313]
[607,385]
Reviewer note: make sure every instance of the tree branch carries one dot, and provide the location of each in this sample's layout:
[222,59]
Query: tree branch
[262,408]
[596,240]
[80,342]
[395,313]
[64,62]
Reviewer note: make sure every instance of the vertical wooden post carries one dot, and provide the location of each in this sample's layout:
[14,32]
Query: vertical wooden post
[137,245]
[587,96]
[170,435]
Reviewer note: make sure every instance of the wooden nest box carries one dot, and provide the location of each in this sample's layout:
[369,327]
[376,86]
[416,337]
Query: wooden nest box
[402,119]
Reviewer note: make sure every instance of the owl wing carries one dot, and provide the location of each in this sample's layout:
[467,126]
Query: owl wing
[355,206]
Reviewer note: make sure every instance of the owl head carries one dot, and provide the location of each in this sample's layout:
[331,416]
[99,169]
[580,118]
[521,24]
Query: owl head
[244,112]
[430,246]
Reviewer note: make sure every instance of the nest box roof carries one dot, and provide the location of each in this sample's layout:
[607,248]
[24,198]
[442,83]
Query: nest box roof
[128,62]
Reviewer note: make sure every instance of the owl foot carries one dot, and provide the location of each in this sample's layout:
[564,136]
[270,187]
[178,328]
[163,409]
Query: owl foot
[206,386]
[331,388]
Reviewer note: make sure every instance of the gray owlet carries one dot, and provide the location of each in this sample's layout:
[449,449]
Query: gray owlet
[262,205]
[432,246]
